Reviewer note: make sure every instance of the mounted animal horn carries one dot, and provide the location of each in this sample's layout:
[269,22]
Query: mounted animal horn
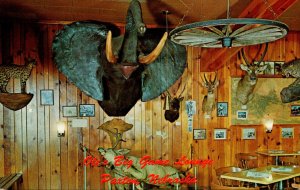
[155,53]
[109,53]
[261,58]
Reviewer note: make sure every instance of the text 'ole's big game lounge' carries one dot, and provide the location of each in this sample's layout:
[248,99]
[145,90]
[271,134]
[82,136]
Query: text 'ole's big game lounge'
[144,94]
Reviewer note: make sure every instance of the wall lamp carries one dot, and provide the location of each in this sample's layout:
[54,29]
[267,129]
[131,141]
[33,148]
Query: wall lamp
[268,124]
[61,126]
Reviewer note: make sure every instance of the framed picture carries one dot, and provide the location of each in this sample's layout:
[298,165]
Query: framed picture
[222,109]
[277,67]
[242,114]
[295,110]
[190,107]
[220,134]
[248,133]
[86,110]
[270,68]
[287,132]
[199,134]
[69,111]
[47,97]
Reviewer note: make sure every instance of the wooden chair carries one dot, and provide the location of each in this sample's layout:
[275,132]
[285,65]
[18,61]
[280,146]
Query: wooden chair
[247,160]
[290,161]
[227,182]
[12,181]
[296,186]
[215,186]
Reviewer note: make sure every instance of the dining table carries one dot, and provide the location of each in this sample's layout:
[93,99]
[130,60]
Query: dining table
[265,175]
[278,153]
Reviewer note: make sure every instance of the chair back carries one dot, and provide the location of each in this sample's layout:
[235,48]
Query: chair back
[247,160]
[215,186]
[228,182]
[289,161]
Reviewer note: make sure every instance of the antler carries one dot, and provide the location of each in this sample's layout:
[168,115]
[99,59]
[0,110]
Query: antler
[261,58]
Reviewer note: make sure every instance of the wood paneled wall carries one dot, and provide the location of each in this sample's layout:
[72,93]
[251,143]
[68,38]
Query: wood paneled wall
[29,141]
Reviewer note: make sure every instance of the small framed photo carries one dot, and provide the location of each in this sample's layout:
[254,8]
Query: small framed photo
[190,107]
[222,109]
[47,97]
[242,114]
[220,134]
[248,133]
[277,67]
[69,111]
[86,110]
[199,134]
[295,110]
[287,132]
[270,68]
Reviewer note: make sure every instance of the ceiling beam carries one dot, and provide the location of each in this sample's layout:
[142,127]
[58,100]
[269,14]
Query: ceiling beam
[214,59]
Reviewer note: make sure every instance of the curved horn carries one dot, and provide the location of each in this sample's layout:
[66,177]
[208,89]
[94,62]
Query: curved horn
[109,53]
[155,53]
[215,77]
[244,57]
[205,79]
[263,55]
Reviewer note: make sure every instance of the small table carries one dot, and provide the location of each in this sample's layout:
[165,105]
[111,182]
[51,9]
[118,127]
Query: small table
[275,176]
[278,153]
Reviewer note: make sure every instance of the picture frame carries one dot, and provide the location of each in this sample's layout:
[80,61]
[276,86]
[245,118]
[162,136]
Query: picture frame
[199,134]
[87,110]
[220,134]
[47,97]
[222,109]
[295,110]
[287,132]
[69,111]
[277,67]
[248,133]
[242,114]
[270,70]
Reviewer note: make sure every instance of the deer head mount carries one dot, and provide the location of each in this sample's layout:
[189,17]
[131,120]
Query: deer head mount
[247,83]
[209,100]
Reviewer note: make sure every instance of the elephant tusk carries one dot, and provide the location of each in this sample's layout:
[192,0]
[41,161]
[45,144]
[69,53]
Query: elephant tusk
[155,53]
[109,53]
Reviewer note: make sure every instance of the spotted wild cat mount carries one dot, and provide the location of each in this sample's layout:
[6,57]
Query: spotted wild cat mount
[15,101]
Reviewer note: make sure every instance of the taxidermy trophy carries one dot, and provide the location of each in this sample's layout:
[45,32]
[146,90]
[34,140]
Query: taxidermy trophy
[292,92]
[15,101]
[118,70]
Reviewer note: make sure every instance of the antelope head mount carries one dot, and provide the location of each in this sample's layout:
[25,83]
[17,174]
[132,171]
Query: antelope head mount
[209,100]
[172,107]
[246,85]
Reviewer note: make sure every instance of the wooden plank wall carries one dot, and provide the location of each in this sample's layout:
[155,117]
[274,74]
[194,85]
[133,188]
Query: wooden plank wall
[28,137]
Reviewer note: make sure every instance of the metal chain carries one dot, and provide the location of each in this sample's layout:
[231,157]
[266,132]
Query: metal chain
[269,7]
[185,14]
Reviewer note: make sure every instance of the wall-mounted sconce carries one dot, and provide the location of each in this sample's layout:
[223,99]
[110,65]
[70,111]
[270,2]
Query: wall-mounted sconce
[61,129]
[268,124]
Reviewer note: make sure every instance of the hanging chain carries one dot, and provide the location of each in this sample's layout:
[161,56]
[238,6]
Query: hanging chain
[185,13]
[228,9]
[269,7]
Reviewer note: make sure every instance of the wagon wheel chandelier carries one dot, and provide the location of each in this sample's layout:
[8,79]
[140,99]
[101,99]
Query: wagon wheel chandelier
[230,32]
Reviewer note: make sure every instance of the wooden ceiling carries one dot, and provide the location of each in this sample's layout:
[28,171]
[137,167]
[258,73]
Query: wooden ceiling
[182,12]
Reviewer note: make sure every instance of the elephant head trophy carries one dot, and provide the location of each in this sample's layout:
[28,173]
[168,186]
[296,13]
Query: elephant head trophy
[118,71]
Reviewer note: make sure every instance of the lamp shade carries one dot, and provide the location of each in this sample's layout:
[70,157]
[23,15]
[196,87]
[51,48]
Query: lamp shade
[268,123]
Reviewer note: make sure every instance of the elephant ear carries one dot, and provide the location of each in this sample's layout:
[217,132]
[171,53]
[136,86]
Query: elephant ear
[77,53]
[159,75]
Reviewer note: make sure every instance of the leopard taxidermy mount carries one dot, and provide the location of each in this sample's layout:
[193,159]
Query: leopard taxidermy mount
[8,71]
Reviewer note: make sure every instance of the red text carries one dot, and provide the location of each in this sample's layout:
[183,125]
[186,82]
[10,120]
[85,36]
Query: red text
[185,161]
[145,160]
[155,179]
[123,180]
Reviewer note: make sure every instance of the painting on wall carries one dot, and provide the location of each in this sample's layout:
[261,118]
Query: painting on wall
[222,109]
[69,111]
[248,133]
[87,110]
[287,132]
[47,97]
[220,134]
[295,110]
[266,100]
[199,134]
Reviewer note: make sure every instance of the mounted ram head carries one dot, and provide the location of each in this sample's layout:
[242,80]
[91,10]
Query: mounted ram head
[115,70]
[247,84]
